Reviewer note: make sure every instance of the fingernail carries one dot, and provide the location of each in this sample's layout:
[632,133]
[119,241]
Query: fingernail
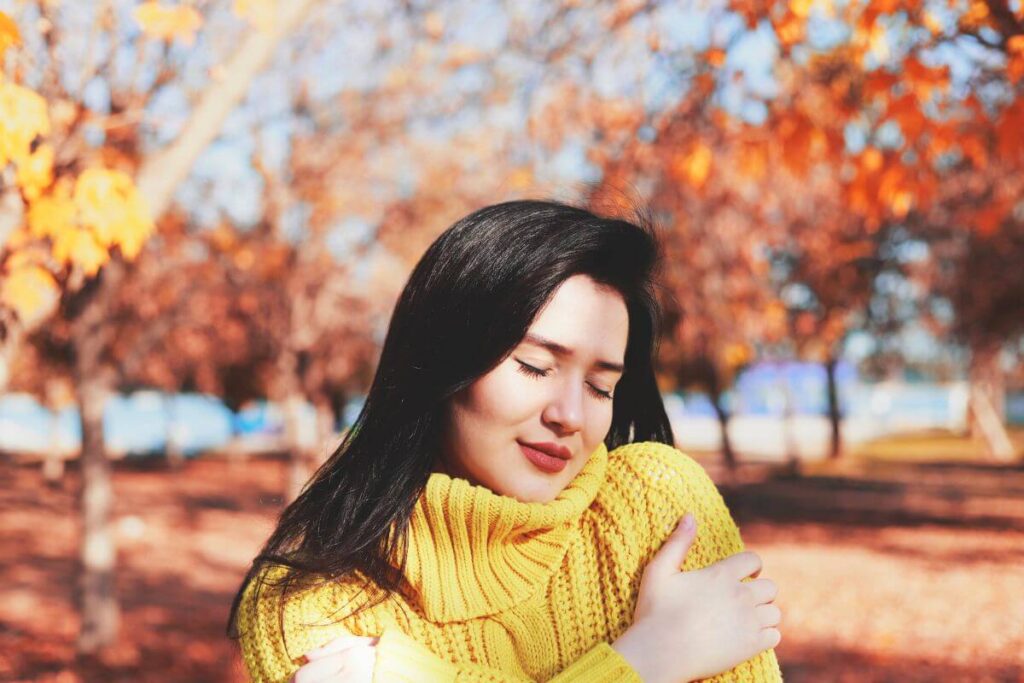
[688,522]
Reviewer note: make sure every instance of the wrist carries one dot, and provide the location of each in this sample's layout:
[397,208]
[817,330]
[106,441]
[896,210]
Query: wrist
[634,647]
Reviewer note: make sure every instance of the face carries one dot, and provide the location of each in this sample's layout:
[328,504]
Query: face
[553,391]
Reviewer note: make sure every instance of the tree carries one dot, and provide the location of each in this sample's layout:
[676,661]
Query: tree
[80,224]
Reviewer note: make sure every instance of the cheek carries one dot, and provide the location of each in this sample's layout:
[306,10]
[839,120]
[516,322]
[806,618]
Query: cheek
[501,398]
[599,421]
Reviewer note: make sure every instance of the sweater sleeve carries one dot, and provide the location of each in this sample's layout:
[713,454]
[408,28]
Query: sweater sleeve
[399,658]
[674,484]
[260,634]
[403,660]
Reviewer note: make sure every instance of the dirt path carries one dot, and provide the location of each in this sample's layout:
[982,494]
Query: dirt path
[863,600]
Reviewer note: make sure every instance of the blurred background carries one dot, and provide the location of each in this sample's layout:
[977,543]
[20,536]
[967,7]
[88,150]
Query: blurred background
[208,208]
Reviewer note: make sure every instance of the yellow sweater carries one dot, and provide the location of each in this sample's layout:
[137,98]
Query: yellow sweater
[502,591]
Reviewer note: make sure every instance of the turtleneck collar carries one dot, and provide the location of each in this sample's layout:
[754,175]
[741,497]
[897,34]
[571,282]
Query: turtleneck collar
[473,552]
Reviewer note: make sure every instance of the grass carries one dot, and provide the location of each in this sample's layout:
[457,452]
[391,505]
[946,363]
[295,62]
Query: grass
[932,446]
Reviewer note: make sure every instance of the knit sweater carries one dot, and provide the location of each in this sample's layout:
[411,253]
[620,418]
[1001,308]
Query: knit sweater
[502,591]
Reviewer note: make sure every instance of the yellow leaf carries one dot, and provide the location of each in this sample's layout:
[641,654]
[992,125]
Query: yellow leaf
[31,292]
[51,214]
[35,173]
[9,33]
[801,8]
[164,22]
[878,43]
[111,207]
[932,22]
[23,118]
[79,247]
[260,13]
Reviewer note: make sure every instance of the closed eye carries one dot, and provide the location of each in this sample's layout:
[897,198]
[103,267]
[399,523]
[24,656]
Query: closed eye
[531,371]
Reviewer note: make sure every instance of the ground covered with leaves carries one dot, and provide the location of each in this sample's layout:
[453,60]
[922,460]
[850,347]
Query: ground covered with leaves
[889,575]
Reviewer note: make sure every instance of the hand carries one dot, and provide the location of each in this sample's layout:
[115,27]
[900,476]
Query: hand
[691,625]
[346,659]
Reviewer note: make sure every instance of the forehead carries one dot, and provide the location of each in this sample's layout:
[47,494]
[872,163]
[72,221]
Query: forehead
[588,318]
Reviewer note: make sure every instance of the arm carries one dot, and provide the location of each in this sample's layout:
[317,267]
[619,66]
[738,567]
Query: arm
[402,659]
[677,485]
[399,657]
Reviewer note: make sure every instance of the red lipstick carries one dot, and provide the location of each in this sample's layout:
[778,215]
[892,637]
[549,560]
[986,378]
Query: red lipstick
[549,457]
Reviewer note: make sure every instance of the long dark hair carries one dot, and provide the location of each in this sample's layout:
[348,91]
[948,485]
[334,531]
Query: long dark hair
[467,304]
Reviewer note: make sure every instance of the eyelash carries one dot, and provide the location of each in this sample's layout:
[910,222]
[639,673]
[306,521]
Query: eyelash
[536,373]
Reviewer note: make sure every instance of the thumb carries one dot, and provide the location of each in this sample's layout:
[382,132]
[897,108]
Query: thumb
[670,556]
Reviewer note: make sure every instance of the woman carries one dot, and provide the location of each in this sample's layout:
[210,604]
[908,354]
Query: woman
[505,507]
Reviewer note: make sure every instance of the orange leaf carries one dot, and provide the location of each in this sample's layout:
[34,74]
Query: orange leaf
[790,29]
[715,57]
[753,162]
[879,84]
[907,112]
[925,79]
[694,166]
[1010,133]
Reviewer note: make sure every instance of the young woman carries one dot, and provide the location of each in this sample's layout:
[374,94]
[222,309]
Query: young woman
[507,506]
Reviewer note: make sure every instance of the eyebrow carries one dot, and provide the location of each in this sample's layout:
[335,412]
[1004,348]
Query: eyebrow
[560,350]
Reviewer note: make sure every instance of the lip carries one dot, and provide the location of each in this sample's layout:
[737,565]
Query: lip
[553,449]
[540,455]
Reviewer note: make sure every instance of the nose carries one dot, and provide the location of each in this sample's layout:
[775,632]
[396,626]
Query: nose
[564,410]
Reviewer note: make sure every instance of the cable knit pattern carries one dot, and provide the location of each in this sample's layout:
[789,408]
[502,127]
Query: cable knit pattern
[501,591]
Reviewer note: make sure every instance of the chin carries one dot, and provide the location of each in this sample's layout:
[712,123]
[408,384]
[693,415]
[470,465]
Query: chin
[537,491]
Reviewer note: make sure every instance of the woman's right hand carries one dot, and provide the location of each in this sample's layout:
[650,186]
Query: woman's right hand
[346,659]
[695,624]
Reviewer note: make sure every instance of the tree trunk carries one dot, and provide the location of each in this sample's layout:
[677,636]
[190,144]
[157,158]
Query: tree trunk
[714,386]
[53,461]
[299,435]
[788,428]
[834,417]
[987,404]
[172,440]
[99,610]
[326,433]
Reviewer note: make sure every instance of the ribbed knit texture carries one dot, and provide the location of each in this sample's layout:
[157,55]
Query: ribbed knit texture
[503,591]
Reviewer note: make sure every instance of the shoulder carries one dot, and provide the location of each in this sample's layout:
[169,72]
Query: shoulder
[657,469]
[658,484]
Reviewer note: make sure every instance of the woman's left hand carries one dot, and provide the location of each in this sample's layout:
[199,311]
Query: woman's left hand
[346,659]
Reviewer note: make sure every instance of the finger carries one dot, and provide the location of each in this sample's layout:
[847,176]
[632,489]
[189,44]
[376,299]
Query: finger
[769,638]
[320,670]
[339,644]
[669,558]
[763,590]
[742,565]
[767,616]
